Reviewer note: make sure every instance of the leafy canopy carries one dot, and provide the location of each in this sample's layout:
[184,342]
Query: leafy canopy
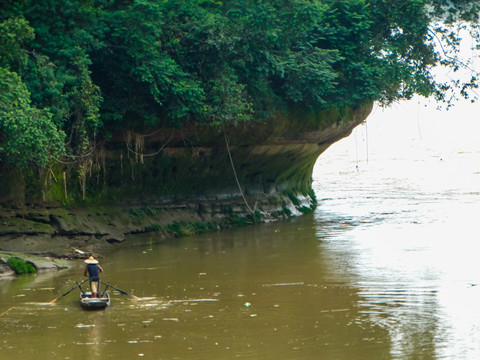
[74,71]
[28,135]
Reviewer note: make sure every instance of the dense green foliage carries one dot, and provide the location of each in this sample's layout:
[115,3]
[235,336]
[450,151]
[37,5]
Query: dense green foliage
[74,71]
[20,266]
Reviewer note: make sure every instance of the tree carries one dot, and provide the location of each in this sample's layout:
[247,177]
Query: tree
[92,67]
[28,136]
[58,74]
[142,83]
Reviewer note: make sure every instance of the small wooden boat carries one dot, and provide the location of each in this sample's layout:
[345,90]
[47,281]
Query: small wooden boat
[90,303]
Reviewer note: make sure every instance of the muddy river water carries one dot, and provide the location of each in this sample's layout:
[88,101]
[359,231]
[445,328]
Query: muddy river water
[386,268]
[267,292]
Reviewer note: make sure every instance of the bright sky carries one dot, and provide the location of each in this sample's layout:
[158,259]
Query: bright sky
[418,128]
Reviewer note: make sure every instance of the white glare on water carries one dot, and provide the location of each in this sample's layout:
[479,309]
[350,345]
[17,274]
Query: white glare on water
[408,183]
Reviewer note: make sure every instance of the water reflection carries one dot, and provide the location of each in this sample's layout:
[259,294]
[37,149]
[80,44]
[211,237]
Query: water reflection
[326,286]
[401,230]
[266,292]
[413,280]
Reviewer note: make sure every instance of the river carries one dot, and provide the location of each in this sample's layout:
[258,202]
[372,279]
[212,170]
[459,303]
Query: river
[385,268]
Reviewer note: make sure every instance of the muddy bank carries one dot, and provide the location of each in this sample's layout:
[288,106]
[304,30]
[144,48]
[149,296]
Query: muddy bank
[60,232]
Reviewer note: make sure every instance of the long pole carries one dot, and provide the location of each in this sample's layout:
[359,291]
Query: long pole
[68,292]
[121,291]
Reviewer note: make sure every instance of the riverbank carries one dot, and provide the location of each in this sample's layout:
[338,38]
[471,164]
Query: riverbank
[63,233]
[41,263]
[249,174]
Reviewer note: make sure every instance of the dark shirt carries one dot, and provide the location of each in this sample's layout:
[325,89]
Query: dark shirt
[93,272]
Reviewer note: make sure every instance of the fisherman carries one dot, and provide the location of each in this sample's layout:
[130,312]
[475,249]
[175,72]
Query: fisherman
[93,268]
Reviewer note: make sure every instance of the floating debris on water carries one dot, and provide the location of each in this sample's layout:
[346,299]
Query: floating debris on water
[145,298]
[192,300]
[144,305]
[286,284]
[171,319]
[147,268]
[84,325]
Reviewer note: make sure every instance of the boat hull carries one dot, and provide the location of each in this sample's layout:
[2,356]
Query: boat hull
[90,303]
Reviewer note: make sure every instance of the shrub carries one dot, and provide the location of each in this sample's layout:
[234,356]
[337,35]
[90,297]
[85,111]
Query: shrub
[20,266]
[181,228]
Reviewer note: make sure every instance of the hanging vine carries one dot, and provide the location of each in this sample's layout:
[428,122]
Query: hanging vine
[138,146]
[84,168]
[252,211]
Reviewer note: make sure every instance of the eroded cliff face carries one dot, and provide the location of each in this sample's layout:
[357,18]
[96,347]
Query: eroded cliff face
[255,159]
[147,183]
